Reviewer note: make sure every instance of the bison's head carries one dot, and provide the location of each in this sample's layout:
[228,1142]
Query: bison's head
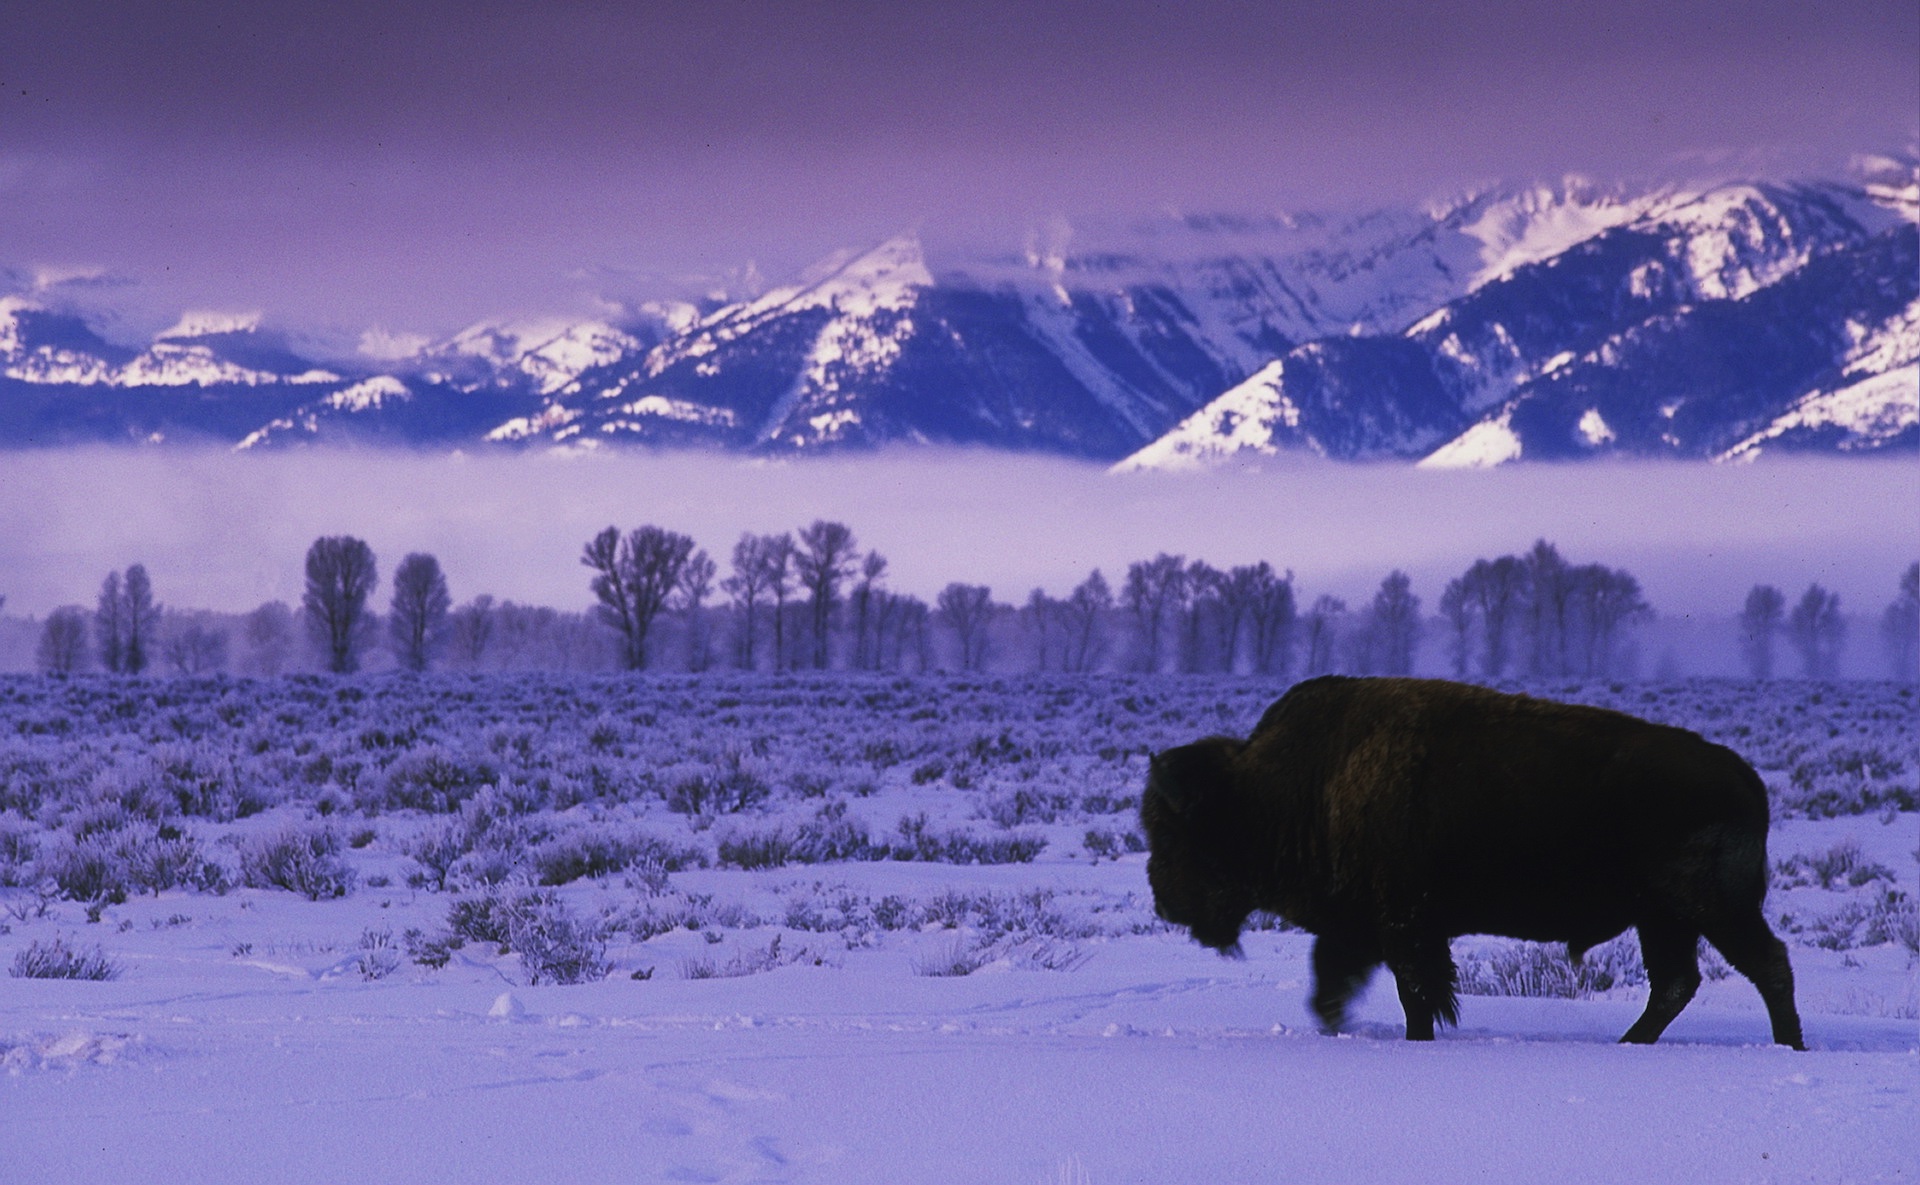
[1194,836]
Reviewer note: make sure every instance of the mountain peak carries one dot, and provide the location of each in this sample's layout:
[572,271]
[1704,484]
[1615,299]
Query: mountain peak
[208,323]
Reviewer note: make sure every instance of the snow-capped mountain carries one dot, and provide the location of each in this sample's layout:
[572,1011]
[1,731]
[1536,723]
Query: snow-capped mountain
[1713,323]
[1556,320]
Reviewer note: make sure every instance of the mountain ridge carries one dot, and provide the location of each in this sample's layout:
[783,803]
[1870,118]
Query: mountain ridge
[1553,320]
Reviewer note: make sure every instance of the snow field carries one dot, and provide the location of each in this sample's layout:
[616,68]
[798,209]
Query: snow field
[808,1021]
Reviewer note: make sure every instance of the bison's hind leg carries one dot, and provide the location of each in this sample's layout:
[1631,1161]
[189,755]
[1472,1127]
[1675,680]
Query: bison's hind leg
[1671,952]
[1342,965]
[1423,970]
[1757,954]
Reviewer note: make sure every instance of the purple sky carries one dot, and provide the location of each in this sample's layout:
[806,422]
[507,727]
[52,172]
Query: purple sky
[422,164]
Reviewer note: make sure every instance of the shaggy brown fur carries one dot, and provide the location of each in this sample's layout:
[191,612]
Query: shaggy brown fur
[1387,816]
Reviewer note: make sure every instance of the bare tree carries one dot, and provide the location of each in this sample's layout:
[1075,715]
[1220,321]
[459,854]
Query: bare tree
[419,610]
[1548,592]
[776,573]
[1322,633]
[194,643]
[1154,593]
[63,641]
[109,625]
[1394,618]
[1039,617]
[966,609]
[269,635]
[1497,591]
[1900,627]
[1603,602]
[340,577]
[1817,632]
[1235,595]
[1760,620]
[633,577]
[690,597]
[1086,610]
[1456,609]
[470,631]
[872,569]
[1201,610]
[142,619]
[746,586]
[825,559]
[1273,614]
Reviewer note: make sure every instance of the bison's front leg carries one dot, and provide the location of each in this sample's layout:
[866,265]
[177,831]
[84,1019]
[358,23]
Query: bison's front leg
[1423,970]
[1342,965]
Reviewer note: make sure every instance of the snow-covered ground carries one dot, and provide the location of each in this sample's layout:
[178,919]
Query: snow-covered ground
[743,1019]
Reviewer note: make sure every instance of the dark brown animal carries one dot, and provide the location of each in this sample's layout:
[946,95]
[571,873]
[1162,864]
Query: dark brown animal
[1387,816]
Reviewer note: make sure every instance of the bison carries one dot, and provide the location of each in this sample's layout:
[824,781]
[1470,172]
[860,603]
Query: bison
[1387,816]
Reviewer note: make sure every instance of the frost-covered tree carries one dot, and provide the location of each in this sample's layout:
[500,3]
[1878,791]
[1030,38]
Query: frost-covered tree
[109,625]
[141,619]
[1272,615]
[470,631]
[341,575]
[873,568]
[746,587]
[776,573]
[1602,603]
[126,621]
[1817,632]
[1321,633]
[1900,627]
[1200,616]
[419,610]
[63,641]
[1155,593]
[633,577]
[194,643]
[1456,610]
[1039,620]
[690,599]
[825,558]
[1760,620]
[1394,621]
[1086,610]
[1497,592]
[268,632]
[967,609]
[1549,592]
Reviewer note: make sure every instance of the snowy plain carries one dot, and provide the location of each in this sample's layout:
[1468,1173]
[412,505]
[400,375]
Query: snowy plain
[773,883]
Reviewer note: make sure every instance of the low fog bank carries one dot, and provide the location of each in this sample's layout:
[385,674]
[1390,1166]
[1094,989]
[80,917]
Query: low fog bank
[228,532]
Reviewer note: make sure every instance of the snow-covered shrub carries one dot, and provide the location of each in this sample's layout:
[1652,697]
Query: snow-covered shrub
[19,852]
[1891,917]
[1102,842]
[746,962]
[584,852]
[436,779]
[1540,969]
[554,945]
[378,956]
[827,837]
[955,957]
[300,859]
[162,858]
[732,785]
[1843,863]
[56,960]
[918,842]
[87,870]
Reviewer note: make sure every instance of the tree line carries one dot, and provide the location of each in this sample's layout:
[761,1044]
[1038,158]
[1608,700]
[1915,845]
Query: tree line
[814,599]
